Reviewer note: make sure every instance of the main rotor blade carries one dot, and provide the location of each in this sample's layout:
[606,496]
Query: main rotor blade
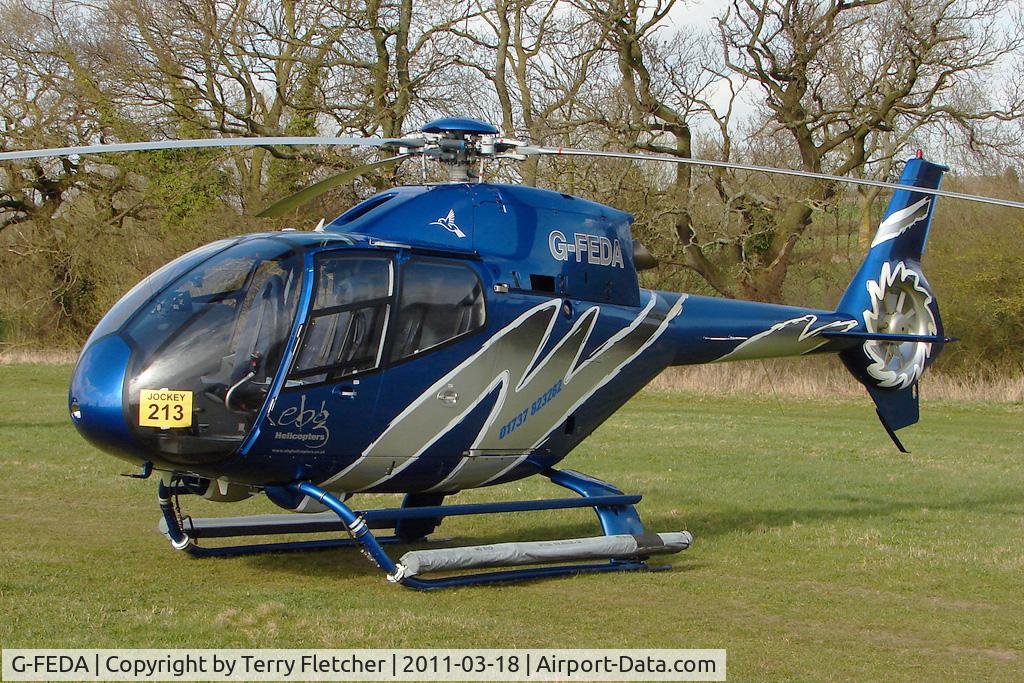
[208,142]
[308,194]
[562,151]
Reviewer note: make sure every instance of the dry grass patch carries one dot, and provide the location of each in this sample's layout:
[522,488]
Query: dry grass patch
[20,355]
[816,378]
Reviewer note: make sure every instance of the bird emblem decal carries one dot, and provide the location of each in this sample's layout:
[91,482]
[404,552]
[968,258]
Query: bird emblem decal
[448,223]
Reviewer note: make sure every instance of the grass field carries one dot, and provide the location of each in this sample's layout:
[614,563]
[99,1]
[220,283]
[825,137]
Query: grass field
[820,552]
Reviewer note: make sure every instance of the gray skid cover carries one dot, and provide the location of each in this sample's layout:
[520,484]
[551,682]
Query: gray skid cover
[618,547]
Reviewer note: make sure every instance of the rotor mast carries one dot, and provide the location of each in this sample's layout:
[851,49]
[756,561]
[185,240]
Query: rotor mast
[460,144]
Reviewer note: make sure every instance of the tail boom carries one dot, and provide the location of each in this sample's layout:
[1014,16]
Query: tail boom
[886,328]
[714,330]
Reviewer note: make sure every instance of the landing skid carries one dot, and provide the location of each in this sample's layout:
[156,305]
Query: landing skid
[625,546]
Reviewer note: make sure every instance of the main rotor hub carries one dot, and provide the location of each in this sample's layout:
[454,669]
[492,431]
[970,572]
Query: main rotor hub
[461,143]
[454,125]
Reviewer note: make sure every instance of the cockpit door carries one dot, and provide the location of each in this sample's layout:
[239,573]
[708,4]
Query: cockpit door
[329,399]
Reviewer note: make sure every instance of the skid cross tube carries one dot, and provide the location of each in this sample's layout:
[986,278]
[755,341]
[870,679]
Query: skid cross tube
[615,511]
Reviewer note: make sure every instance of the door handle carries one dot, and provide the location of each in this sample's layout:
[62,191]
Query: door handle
[345,391]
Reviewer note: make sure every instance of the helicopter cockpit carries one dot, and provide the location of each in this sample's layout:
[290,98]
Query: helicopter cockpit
[212,340]
[189,358]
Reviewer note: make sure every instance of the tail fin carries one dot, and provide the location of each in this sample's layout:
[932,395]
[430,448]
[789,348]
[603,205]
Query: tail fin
[896,309]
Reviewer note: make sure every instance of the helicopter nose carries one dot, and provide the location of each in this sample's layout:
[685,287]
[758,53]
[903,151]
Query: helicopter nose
[95,398]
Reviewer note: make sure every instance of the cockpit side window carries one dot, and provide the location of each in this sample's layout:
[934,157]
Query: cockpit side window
[440,301]
[344,332]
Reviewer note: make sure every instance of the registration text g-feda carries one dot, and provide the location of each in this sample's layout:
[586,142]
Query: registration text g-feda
[594,250]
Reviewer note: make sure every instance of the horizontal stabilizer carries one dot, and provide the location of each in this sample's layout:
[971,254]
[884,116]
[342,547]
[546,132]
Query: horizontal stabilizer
[888,336]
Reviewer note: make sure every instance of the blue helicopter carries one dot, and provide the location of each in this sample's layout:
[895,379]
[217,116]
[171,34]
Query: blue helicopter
[441,337]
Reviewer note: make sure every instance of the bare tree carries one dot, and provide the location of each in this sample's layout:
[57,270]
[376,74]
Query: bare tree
[847,83]
[666,80]
[539,55]
[847,87]
[42,104]
[268,67]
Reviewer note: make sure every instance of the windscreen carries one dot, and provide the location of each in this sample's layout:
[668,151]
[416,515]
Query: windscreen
[207,348]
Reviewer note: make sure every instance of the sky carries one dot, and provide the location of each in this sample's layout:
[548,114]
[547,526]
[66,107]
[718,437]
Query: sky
[700,15]
[697,12]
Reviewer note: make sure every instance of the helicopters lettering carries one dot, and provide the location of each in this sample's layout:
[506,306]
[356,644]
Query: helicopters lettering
[437,338]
